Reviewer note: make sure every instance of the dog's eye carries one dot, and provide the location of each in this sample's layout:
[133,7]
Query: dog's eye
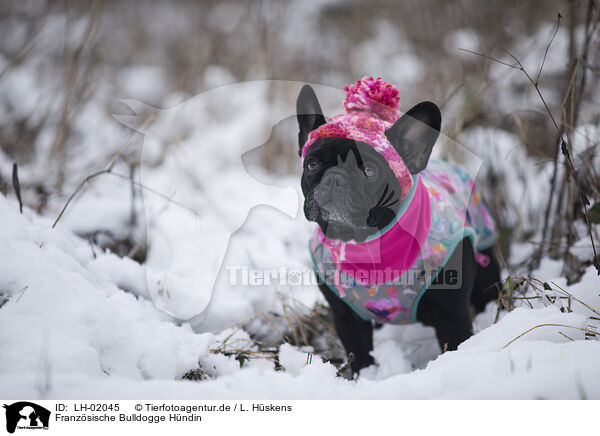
[370,171]
[312,165]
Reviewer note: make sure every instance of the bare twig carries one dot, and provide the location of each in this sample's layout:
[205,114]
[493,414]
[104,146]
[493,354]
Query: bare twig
[250,318]
[570,339]
[548,325]
[491,58]
[562,143]
[17,186]
[351,358]
[73,89]
[537,78]
[108,170]
[79,188]
[535,85]
[24,51]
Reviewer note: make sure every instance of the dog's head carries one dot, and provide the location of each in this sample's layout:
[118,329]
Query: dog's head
[349,188]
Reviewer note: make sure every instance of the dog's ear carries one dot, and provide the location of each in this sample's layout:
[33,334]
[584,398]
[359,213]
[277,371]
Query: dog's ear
[309,113]
[415,133]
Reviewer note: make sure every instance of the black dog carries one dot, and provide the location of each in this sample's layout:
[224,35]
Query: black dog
[351,192]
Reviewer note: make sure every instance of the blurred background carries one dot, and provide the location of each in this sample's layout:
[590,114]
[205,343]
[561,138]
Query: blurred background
[106,211]
[64,66]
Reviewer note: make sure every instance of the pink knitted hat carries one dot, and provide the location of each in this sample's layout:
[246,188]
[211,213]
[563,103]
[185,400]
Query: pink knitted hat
[371,108]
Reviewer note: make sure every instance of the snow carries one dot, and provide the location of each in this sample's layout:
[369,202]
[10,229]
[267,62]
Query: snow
[525,186]
[462,39]
[396,62]
[77,321]
[87,325]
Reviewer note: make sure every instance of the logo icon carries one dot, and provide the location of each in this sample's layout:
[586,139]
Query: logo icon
[26,415]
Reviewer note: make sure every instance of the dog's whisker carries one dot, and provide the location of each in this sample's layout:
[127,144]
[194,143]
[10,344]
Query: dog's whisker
[392,203]
[382,195]
[389,197]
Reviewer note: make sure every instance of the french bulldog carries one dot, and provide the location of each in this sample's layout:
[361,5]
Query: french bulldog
[352,193]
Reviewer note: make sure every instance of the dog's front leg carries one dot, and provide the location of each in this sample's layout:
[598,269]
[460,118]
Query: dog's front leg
[355,333]
[453,327]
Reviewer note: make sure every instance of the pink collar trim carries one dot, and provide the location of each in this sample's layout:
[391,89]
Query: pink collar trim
[387,255]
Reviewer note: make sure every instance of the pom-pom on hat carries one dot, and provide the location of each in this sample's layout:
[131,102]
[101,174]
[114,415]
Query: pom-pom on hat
[371,108]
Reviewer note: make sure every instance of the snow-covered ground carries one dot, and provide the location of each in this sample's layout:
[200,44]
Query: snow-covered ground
[78,325]
[76,321]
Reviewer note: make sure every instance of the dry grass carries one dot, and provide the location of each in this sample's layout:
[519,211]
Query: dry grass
[297,325]
[525,290]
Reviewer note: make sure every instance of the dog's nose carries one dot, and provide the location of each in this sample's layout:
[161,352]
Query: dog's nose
[334,178]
